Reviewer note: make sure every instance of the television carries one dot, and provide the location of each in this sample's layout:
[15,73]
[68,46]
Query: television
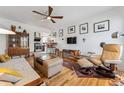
[71,40]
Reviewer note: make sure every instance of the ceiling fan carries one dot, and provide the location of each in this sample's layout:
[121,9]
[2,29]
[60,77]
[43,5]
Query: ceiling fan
[49,17]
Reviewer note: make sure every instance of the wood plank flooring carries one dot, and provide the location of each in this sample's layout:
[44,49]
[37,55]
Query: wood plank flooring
[68,77]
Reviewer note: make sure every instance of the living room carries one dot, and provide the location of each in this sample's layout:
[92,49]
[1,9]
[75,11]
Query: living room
[78,34]
[90,41]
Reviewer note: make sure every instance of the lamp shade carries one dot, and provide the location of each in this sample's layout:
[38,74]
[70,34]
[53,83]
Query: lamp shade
[4,31]
[115,35]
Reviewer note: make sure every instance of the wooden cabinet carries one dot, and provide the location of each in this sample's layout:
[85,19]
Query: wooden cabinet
[18,51]
[18,44]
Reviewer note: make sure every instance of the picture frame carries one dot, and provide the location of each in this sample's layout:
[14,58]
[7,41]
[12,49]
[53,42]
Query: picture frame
[71,29]
[102,26]
[37,35]
[83,28]
[60,32]
[54,34]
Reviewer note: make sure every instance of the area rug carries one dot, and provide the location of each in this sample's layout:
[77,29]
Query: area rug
[91,71]
[68,65]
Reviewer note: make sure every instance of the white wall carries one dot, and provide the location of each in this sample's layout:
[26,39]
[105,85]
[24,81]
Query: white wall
[93,39]
[5,23]
[116,17]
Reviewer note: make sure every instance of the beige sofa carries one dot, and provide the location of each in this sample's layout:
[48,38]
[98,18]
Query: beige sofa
[30,77]
[50,67]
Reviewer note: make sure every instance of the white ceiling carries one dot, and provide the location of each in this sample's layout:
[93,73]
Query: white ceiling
[71,13]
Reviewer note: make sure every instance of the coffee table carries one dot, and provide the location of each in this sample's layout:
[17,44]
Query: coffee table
[49,65]
[44,57]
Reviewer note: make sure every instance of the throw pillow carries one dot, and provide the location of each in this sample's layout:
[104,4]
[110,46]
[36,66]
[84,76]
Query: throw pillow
[10,75]
[72,53]
[77,53]
[7,57]
[2,58]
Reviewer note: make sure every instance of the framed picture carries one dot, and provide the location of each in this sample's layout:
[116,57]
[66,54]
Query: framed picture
[71,29]
[101,26]
[54,34]
[37,35]
[83,28]
[60,32]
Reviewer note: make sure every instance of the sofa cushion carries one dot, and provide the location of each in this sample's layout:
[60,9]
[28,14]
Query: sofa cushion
[22,66]
[4,83]
[10,71]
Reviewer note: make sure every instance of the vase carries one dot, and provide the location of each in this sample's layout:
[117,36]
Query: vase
[13,28]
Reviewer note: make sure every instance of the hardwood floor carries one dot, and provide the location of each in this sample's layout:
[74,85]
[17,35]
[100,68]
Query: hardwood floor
[68,77]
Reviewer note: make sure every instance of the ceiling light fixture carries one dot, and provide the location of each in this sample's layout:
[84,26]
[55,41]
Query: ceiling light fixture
[4,31]
[49,18]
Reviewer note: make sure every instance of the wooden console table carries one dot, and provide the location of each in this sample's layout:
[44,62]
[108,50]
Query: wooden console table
[18,51]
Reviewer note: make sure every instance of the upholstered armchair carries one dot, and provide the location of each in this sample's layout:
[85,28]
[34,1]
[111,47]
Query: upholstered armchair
[111,56]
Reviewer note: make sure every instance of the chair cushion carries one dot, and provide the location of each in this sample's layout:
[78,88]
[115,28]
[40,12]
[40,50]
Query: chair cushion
[112,47]
[84,63]
[110,55]
[95,61]
[113,61]
[111,52]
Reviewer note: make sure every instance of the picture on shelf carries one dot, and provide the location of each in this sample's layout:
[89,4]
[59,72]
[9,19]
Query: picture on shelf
[60,32]
[71,29]
[83,28]
[101,26]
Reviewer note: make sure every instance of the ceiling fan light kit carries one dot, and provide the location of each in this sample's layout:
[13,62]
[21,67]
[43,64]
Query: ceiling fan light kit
[49,17]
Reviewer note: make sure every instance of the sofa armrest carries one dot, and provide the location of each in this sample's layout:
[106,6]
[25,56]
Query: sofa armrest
[113,61]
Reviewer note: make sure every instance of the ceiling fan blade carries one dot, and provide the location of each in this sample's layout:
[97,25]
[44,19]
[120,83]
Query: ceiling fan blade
[59,17]
[52,20]
[39,13]
[50,10]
